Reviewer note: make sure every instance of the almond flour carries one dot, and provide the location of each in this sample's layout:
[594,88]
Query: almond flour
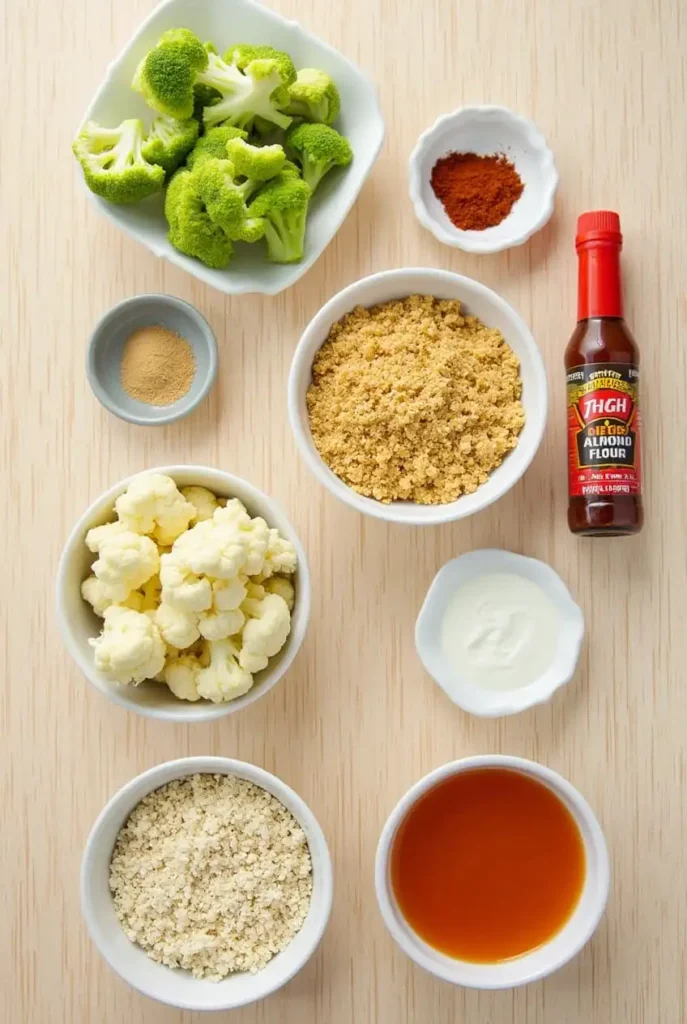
[212,874]
[412,400]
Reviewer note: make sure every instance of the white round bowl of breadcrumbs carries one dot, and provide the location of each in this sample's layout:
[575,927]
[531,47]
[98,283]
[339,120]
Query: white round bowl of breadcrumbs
[206,883]
[417,396]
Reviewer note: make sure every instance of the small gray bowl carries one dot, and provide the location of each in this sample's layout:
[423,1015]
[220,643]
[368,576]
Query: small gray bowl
[106,345]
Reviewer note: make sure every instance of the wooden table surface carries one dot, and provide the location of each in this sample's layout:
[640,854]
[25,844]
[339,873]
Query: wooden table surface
[357,720]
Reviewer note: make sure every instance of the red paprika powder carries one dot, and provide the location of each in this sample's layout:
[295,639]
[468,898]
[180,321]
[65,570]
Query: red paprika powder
[477,192]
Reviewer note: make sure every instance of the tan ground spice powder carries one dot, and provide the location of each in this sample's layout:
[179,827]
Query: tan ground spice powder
[412,400]
[158,366]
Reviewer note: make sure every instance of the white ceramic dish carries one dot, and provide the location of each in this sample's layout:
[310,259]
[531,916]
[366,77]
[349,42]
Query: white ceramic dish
[460,688]
[79,623]
[479,301]
[224,22]
[178,987]
[486,130]
[540,962]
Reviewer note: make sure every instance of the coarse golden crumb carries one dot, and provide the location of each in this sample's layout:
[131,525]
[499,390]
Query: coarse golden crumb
[411,400]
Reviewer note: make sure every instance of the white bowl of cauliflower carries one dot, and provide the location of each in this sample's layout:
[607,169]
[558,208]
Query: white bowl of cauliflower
[183,593]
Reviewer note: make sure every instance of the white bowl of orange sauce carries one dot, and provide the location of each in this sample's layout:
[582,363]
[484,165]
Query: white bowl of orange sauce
[492,872]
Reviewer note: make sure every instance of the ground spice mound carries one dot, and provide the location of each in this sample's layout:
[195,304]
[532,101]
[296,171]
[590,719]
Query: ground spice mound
[158,366]
[212,874]
[477,192]
[412,400]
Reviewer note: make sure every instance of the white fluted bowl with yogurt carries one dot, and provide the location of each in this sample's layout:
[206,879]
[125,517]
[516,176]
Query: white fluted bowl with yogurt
[499,632]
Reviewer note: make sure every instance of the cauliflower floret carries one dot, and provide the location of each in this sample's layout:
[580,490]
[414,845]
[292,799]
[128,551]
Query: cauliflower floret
[280,555]
[225,618]
[203,501]
[150,594]
[99,534]
[154,505]
[283,587]
[224,679]
[181,676]
[212,550]
[180,629]
[126,561]
[266,630]
[181,587]
[99,596]
[130,648]
[254,533]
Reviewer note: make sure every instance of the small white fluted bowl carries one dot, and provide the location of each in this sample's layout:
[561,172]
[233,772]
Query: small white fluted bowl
[485,131]
[549,957]
[459,687]
[177,987]
[79,623]
[478,301]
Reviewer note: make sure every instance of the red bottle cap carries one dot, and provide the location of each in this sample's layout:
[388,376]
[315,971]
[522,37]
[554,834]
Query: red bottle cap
[598,226]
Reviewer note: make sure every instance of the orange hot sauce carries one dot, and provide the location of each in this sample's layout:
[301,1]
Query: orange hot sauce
[488,865]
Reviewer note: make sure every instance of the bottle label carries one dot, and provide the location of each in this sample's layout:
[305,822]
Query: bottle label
[603,430]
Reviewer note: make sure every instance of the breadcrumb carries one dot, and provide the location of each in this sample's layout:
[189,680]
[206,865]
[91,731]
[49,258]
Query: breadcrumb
[212,874]
[411,400]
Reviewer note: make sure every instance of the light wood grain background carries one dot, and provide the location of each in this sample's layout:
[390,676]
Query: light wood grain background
[356,721]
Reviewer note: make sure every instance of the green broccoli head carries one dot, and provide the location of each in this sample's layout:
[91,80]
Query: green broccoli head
[166,76]
[283,204]
[191,229]
[243,53]
[314,96]
[213,145]
[290,170]
[318,148]
[113,163]
[257,162]
[169,141]
[225,200]
[245,95]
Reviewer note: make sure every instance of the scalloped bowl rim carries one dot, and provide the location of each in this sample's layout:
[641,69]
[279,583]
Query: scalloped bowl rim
[459,688]
[464,240]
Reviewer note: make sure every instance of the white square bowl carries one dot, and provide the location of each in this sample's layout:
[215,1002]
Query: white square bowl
[232,21]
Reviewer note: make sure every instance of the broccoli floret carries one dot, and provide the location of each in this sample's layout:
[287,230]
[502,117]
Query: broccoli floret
[113,164]
[225,200]
[290,170]
[318,148]
[213,145]
[203,96]
[314,96]
[169,141]
[245,95]
[191,230]
[243,53]
[166,76]
[258,162]
[283,203]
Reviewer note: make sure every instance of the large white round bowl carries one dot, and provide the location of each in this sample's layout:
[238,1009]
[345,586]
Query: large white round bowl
[79,623]
[177,987]
[540,962]
[478,301]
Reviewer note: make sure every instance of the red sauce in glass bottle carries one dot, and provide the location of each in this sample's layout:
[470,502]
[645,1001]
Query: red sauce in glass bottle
[602,364]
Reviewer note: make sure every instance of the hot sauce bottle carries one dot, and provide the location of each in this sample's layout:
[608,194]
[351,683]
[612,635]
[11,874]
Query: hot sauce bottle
[602,363]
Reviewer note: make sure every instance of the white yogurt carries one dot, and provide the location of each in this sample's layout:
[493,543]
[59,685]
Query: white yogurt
[500,630]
